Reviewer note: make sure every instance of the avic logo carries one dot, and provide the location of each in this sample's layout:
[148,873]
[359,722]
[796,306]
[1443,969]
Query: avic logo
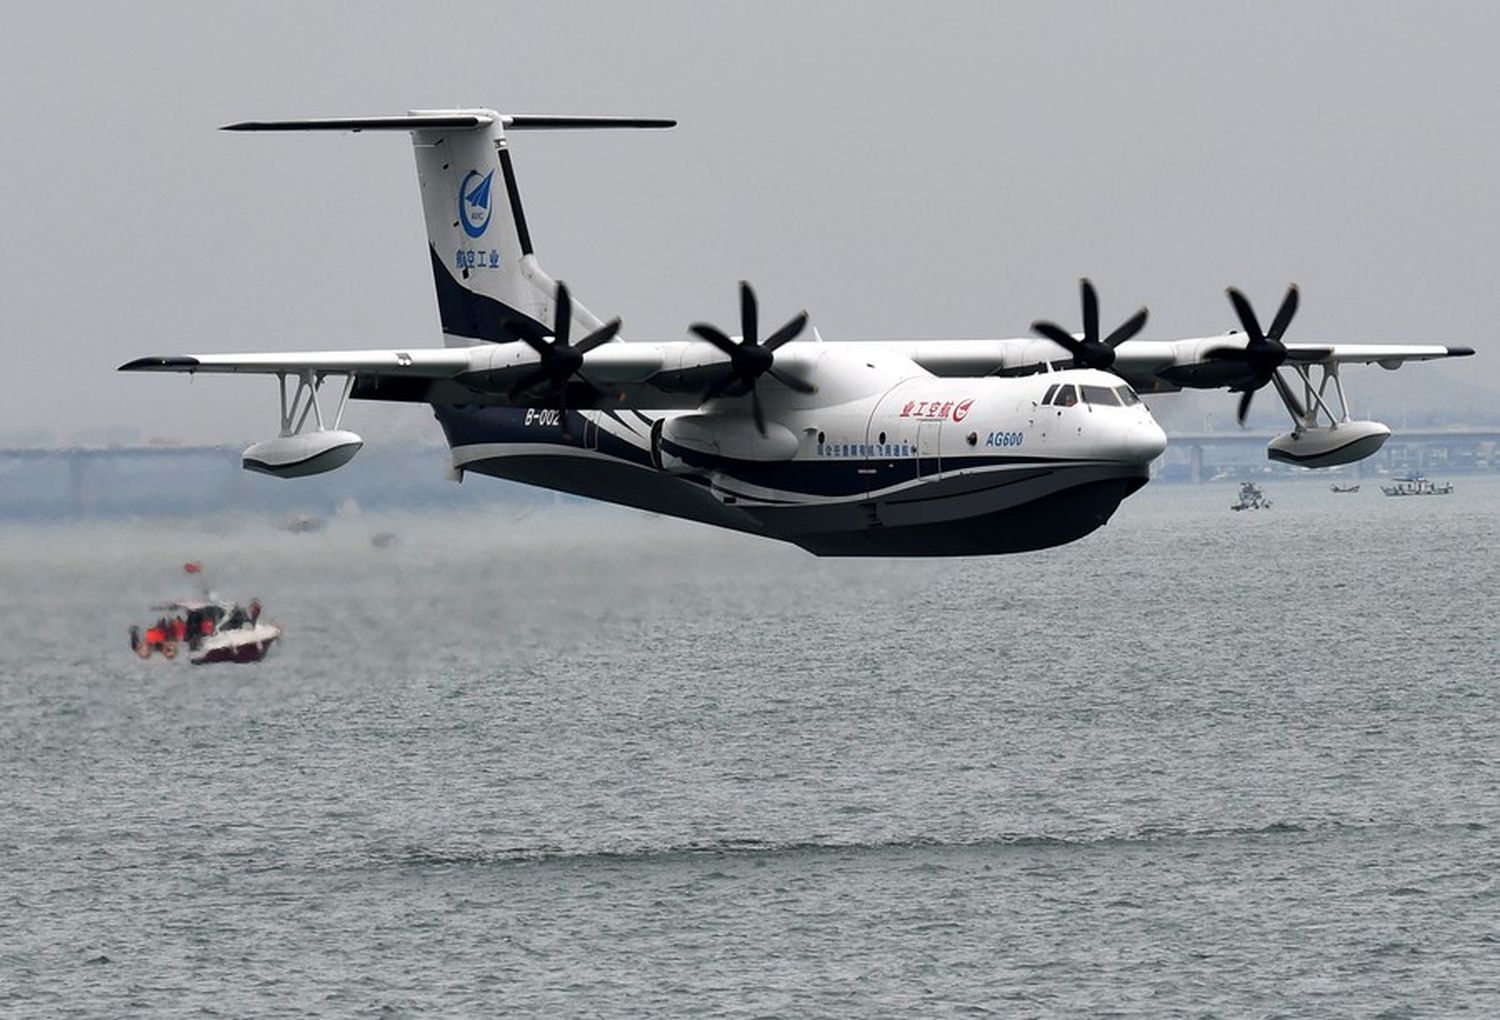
[474,203]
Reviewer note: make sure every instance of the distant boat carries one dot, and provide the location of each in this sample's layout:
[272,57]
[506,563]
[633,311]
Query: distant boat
[301,524]
[1336,487]
[1251,498]
[1416,485]
[206,629]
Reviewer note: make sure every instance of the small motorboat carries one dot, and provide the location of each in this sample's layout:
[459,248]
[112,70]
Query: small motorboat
[1251,498]
[301,524]
[1416,485]
[1336,487]
[205,630]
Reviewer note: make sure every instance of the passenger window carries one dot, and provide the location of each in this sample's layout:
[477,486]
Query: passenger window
[1127,395]
[1067,396]
[1102,396]
[1050,390]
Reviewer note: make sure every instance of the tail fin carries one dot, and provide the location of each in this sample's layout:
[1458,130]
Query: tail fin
[489,284]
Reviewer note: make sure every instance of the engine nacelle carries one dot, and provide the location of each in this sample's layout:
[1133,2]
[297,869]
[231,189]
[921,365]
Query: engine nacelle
[692,442]
[310,453]
[1343,443]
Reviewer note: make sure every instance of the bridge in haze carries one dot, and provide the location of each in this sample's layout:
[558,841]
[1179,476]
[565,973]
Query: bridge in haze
[1462,448]
[83,473]
[39,482]
[36,481]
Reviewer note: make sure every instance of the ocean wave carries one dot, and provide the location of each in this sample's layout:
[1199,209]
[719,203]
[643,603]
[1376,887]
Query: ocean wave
[749,847]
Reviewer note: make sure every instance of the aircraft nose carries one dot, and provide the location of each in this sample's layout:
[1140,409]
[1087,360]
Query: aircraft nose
[1148,440]
[1139,441]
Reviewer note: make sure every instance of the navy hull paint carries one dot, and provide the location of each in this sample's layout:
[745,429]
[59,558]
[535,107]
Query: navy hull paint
[1056,519]
[991,506]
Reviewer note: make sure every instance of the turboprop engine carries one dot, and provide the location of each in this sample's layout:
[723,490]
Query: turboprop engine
[692,442]
[308,453]
[1343,443]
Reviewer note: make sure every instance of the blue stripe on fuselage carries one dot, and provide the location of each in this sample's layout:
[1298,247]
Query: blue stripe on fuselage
[831,477]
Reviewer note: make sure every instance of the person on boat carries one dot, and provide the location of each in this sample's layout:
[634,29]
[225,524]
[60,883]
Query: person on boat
[254,611]
[179,629]
[135,638]
[236,619]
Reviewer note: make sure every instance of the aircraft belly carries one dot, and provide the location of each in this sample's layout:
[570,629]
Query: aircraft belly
[973,506]
[975,513]
[613,481]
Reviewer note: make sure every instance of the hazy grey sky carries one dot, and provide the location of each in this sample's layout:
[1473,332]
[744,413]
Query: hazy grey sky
[898,169]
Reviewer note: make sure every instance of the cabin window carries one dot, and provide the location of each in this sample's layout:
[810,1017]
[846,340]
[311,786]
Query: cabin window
[1050,391]
[822,438]
[1127,396]
[1067,396]
[1103,396]
[882,439]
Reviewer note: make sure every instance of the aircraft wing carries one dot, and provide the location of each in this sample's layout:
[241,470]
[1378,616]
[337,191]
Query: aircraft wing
[674,374]
[1153,366]
[1385,355]
[414,363]
[1138,361]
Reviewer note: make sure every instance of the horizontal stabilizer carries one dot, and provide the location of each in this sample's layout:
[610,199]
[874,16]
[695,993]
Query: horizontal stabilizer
[408,122]
[547,122]
[451,120]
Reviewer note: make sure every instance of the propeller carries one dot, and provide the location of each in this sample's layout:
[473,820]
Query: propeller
[752,358]
[1264,353]
[560,360]
[1091,352]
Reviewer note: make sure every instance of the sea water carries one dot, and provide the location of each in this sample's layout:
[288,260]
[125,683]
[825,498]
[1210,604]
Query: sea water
[573,760]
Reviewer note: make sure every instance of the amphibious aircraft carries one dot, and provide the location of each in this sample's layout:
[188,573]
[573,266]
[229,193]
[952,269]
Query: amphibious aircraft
[889,448]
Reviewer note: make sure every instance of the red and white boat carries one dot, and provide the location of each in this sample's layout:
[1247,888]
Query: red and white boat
[205,630]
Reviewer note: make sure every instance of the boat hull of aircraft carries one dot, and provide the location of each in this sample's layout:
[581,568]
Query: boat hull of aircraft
[965,506]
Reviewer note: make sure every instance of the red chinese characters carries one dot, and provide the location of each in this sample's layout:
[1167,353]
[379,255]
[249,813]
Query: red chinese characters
[937,409]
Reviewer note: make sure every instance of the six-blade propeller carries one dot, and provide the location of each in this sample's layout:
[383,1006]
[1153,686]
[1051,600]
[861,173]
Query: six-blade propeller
[1091,352]
[1264,352]
[752,358]
[561,361]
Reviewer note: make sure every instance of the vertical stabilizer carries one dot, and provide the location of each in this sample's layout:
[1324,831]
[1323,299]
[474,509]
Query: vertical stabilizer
[489,285]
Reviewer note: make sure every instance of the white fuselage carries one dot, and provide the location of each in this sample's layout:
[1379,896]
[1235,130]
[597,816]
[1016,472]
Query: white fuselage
[885,459]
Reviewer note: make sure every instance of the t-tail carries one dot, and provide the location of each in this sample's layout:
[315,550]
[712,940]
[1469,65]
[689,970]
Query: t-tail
[490,287]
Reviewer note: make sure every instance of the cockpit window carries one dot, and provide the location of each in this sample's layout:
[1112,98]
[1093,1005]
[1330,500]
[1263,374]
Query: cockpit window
[1067,396]
[1100,395]
[1050,390]
[1127,396]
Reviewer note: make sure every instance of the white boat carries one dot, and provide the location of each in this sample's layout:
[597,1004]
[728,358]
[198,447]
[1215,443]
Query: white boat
[1336,487]
[1251,498]
[205,630]
[1416,485]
